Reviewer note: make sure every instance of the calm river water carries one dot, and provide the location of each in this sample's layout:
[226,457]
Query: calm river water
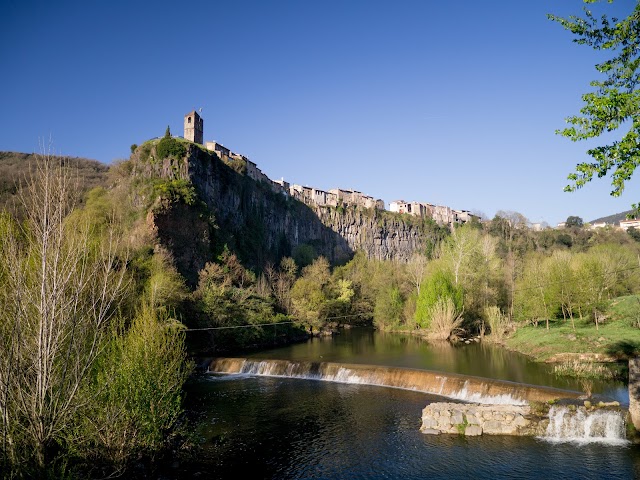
[276,428]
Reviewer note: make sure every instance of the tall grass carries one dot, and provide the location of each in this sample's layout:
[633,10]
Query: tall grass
[579,369]
[445,320]
[499,323]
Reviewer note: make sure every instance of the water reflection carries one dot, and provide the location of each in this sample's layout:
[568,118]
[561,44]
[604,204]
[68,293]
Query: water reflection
[367,346]
[274,428]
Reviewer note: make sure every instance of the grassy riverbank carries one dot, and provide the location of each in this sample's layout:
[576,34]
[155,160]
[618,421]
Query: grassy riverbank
[616,338]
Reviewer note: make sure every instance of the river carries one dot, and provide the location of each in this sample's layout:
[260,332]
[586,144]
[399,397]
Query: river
[280,428]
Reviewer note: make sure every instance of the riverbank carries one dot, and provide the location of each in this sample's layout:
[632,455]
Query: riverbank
[615,338]
[579,348]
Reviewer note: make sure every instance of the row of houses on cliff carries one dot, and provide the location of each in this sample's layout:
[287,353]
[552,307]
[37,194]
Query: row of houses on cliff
[193,131]
[625,224]
[442,215]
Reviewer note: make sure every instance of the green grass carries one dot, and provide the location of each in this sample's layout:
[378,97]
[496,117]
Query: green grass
[626,309]
[618,337]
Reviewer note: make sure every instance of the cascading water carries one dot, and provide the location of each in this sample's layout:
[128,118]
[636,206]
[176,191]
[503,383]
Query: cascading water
[580,425]
[460,387]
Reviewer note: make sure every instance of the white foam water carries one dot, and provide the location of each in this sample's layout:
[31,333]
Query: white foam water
[580,426]
[347,375]
[485,399]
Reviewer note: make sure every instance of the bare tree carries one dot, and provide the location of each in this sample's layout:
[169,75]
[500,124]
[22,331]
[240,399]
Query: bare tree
[417,267]
[460,252]
[60,284]
[282,282]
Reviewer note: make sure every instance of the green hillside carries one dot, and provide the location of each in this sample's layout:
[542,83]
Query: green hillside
[15,167]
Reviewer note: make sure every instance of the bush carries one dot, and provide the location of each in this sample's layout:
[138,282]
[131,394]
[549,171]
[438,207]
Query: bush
[304,254]
[633,233]
[144,153]
[498,322]
[388,308]
[575,368]
[170,147]
[175,190]
[445,320]
[439,286]
[139,391]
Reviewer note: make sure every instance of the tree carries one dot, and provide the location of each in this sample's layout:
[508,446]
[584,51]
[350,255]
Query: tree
[440,285]
[574,221]
[304,254]
[134,409]
[533,296]
[461,252]
[614,102]
[281,282]
[167,132]
[563,284]
[60,285]
[388,308]
[634,233]
[416,268]
[309,296]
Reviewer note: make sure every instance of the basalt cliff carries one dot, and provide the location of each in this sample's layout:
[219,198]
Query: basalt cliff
[259,223]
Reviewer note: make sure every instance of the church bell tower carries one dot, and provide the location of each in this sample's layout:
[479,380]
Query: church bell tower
[193,127]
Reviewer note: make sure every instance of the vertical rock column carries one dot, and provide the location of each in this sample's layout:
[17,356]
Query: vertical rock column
[634,391]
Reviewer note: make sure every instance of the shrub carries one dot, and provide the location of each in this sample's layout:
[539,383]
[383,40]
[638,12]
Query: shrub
[439,286]
[574,368]
[304,254]
[175,190]
[388,308]
[445,320]
[498,322]
[139,391]
[145,152]
[170,147]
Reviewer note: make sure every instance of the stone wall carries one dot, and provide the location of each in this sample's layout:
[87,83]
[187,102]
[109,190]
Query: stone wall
[476,419]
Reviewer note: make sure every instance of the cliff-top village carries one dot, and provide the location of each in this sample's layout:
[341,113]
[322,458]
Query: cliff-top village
[193,131]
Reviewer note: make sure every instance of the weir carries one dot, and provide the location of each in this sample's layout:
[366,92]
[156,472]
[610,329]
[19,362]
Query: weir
[580,425]
[450,385]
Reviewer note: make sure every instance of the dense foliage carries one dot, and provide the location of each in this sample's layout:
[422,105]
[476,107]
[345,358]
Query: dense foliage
[91,361]
[170,147]
[484,280]
[614,102]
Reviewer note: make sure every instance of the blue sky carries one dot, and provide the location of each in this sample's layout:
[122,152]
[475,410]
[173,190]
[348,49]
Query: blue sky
[450,102]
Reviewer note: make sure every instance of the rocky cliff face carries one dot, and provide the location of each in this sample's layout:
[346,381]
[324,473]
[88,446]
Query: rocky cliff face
[262,225]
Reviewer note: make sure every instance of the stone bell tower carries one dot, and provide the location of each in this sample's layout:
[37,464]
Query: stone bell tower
[193,127]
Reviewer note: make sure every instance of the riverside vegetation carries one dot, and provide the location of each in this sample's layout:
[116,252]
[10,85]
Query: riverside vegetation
[94,344]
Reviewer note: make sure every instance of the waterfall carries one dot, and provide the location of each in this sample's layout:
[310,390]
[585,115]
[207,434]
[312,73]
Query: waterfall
[461,387]
[473,397]
[580,425]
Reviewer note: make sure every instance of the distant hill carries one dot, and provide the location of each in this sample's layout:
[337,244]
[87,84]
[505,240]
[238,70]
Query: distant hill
[612,219]
[14,170]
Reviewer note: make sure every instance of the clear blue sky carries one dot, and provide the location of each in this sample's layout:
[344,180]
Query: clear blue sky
[447,102]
